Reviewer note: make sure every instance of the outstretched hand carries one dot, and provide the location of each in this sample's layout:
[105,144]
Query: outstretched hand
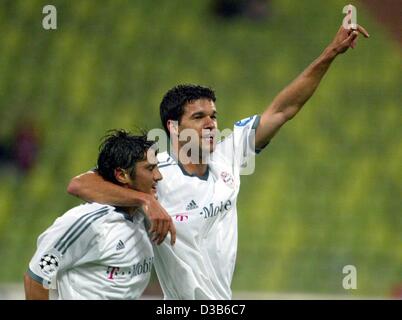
[347,38]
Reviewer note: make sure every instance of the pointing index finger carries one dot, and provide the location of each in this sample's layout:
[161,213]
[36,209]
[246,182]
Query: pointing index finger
[363,31]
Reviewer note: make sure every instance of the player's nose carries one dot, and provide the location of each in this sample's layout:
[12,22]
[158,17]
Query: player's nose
[210,123]
[157,175]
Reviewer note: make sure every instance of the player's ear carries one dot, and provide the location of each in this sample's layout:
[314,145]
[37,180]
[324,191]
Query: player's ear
[173,126]
[121,176]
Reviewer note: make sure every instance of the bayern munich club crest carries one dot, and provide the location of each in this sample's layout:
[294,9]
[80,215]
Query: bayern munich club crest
[49,264]
[228,179]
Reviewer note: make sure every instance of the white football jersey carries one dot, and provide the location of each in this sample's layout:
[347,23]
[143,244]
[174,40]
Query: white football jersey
[94,251]
[201,263]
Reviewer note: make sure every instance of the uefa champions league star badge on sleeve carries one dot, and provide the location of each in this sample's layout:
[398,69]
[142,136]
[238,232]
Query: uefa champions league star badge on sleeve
[49,263]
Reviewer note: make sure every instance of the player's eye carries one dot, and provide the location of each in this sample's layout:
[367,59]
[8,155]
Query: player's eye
[199,115]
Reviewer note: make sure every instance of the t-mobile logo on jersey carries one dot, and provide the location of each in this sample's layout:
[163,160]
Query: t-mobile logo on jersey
[135,270]
[213,210]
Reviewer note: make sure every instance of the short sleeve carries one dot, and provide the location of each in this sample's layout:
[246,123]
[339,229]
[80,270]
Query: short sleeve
[70,241]
[240,144]
[244,134]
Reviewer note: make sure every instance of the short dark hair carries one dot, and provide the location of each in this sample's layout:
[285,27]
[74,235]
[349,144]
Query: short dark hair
[172,105]
[121,149]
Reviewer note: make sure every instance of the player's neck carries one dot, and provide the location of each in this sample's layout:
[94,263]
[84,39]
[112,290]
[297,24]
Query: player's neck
[129,210]
[199,169]
[196,167]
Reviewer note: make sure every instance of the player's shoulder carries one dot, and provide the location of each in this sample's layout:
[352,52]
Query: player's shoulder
[88,212]
[165,160]
[240,129]
[251,121]
[164,157]
[87,208]
[77,220]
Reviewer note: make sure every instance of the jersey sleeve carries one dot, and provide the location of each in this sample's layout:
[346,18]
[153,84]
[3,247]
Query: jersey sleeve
[71,240]
[240,144]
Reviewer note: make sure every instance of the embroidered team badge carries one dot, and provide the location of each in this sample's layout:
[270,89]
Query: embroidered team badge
[228,179]
[242,123]
[49,264]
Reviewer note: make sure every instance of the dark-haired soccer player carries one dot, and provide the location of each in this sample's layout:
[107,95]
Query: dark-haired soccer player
[201,195]
[97,251]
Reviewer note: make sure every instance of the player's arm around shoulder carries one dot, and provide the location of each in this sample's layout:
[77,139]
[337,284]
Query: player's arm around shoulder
[91,187]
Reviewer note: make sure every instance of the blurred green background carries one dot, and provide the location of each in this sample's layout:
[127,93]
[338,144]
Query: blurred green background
[327,190]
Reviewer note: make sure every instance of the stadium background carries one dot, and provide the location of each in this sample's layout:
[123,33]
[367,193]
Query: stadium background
[327,190]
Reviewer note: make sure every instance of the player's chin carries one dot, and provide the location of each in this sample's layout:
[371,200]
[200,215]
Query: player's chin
[154,192]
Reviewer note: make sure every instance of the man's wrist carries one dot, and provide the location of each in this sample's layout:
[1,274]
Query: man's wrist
[330,53]
[142,198]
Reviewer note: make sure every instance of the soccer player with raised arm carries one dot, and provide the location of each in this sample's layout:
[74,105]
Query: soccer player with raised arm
[97,251]
[201,196]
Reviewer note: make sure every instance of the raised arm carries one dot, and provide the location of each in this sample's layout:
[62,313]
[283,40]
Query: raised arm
[34,290]
[92,187]
[292,98]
